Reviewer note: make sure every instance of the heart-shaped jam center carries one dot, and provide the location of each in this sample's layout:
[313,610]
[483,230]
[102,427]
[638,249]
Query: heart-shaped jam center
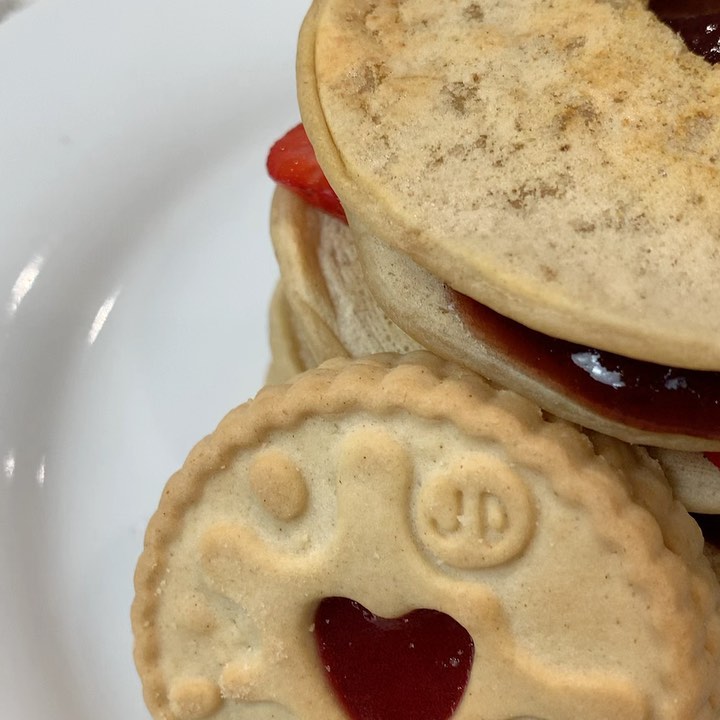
[411,667]
[696,21]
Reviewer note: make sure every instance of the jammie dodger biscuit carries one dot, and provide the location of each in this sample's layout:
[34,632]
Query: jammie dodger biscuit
[394,533]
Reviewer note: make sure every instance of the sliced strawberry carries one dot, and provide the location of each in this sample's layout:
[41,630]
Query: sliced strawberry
[714,458]
[292,163]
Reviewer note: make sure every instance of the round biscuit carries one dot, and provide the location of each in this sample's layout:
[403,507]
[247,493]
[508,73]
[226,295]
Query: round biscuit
[590,597]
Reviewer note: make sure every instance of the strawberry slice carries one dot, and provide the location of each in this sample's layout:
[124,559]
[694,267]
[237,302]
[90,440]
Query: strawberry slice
[292,163]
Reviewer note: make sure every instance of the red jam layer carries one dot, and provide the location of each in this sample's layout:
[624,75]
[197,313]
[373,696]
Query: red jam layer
[696,21]
[415,666]
[642,395]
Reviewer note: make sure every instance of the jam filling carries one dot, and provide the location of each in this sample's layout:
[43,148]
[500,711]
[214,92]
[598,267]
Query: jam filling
[415,666]
[696,21]
[639,394]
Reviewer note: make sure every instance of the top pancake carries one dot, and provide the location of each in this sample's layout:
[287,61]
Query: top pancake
[555,161]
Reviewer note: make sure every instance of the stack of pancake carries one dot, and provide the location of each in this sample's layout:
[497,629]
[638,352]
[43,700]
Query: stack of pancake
[508,218]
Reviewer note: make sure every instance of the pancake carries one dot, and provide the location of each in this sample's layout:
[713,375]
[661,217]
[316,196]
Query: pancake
[332,310]
[560,169]
[694,479]
[286,360]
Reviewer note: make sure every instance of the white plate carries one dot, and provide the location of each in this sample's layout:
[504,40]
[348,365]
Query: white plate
[135,274]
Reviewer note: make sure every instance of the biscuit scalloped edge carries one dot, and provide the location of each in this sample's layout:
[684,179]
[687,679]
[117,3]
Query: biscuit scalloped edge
[660,540]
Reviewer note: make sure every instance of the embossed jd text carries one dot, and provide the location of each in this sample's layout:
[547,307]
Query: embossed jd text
[477,514]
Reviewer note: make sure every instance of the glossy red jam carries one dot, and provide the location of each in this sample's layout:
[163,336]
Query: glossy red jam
[696,21]
[639,394]
[414,667]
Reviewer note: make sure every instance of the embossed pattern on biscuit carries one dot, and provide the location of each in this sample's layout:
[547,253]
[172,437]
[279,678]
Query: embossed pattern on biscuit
[408,483]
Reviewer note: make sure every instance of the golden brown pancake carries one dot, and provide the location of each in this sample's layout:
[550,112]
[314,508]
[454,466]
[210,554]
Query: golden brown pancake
[557,162]
[286,360]
[332,310]
[694,479]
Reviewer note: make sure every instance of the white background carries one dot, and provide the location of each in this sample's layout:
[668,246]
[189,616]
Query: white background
[135,273]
